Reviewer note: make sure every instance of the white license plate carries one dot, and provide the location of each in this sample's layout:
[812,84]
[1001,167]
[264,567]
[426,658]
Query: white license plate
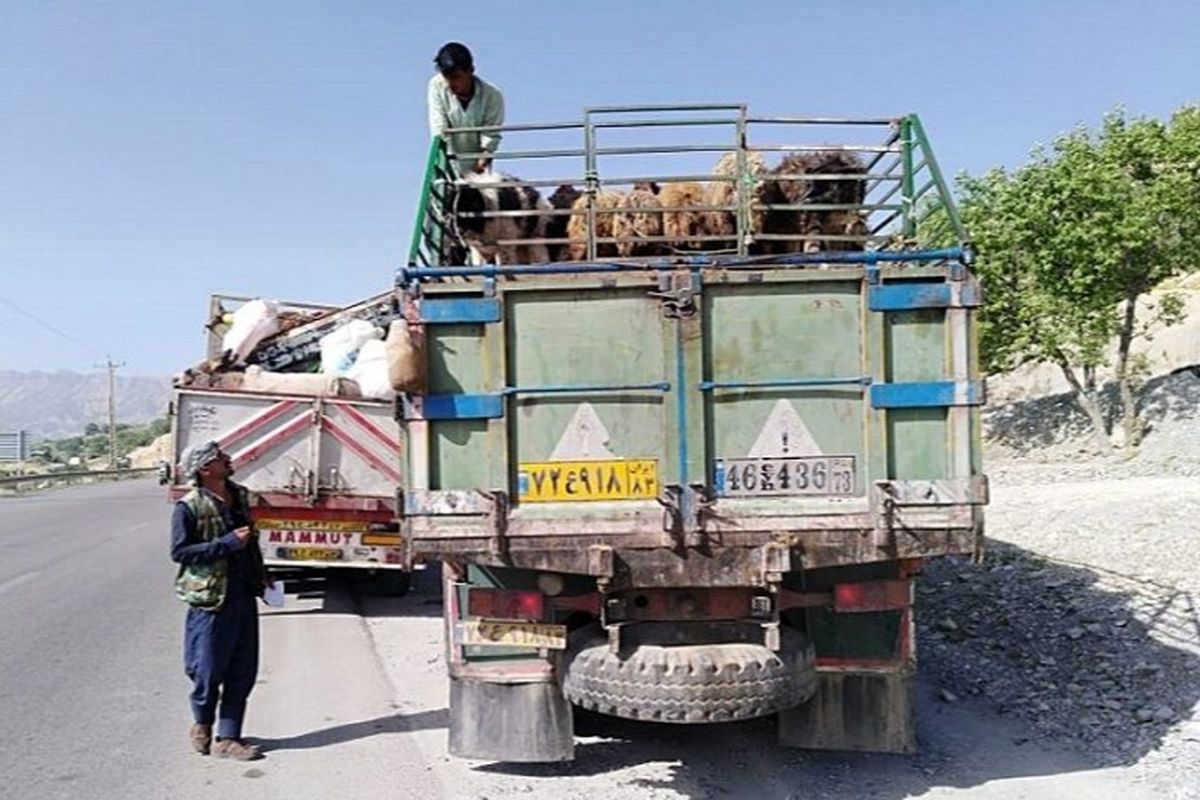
[765,477]
[514,634]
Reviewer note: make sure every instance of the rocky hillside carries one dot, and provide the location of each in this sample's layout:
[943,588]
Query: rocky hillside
[57,404]
[1031,414]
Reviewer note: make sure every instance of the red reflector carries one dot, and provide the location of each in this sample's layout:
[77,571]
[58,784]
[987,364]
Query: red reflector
[871,596]
[505,604]
[847,596]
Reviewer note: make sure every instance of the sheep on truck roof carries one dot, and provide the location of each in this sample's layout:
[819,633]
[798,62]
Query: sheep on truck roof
[683,226]
[639,218]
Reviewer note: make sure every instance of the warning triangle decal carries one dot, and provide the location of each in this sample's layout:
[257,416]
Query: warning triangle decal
[585,438]
[784,434]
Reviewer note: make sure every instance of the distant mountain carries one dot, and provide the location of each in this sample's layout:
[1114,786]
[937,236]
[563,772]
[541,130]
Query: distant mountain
[58,404]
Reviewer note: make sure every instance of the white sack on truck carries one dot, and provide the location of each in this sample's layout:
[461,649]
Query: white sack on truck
[339,348]
[310,384]
[252,322]
[370,371]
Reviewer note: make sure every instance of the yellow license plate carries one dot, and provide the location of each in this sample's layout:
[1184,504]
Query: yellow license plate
[558,481]
[382,540]
[311,554]
[514,634]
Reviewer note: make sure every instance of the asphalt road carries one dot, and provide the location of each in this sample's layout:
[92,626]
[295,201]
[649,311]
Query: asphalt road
[351,700]
[93,699]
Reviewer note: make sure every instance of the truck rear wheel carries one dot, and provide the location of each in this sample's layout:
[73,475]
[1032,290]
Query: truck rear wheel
[689,683]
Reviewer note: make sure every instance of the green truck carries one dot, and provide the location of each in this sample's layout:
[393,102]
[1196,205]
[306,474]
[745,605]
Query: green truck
[691,479]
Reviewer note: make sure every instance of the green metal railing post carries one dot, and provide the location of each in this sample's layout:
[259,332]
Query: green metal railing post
[947,200]
[432,164]
[907,179]
[591,179]
[743,187]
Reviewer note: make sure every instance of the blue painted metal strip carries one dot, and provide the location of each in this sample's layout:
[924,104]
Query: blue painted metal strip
[681,417]
[662,386]
[460,310]
[406,274]
[907,295]
[934,394]
[719,478]
[799,383]
[457,406]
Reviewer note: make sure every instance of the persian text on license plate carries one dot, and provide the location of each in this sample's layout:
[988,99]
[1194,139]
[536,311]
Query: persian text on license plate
[758,477]
[309,554]
[514,634]
[557,481]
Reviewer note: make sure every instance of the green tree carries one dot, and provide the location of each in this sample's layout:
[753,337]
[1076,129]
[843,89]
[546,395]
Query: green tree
[1069,242]
[95,444]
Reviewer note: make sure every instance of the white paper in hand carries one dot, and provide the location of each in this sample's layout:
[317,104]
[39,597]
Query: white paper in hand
[273,596]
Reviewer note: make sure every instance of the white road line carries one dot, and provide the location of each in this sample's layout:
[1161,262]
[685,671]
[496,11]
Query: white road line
[24,577]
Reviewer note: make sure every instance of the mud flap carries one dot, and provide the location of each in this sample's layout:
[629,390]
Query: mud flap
[519,722]
[868,712]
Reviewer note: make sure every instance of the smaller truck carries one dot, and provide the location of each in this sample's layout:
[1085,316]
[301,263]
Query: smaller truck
[323,469]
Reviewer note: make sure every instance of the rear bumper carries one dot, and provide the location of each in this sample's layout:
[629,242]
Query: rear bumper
[371,565]
[748,552]
[733,542]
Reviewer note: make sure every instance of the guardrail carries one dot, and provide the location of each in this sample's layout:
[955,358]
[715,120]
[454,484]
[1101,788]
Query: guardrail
[47,480]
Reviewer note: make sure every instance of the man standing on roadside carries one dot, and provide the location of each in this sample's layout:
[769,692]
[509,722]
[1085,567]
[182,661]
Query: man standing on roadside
[221,575]
[458,98]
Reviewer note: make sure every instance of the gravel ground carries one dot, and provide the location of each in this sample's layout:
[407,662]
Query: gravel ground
[1084,617]
[1066,664]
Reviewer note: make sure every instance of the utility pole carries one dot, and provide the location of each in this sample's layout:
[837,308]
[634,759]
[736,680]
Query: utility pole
[112,409]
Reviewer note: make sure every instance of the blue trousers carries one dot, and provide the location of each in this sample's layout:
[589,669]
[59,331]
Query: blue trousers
[220,655]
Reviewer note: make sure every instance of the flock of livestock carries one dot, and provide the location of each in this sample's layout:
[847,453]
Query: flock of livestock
[501,220]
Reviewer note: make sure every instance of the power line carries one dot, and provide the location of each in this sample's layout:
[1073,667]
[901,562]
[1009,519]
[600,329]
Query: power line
[48,326]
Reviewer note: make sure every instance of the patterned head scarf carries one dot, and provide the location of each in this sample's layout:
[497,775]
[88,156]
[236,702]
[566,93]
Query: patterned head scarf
[201,456]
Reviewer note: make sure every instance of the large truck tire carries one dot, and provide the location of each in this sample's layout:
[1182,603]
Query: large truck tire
[689,683]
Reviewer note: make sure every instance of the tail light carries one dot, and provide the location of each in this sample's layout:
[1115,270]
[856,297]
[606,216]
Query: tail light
[505,604]
[872,596]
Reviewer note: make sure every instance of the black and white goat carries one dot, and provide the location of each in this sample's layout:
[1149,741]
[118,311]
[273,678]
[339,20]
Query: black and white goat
[481,194]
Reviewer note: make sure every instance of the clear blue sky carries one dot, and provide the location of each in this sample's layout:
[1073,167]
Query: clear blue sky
[154,152]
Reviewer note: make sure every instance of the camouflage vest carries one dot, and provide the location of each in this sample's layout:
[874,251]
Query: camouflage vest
[205,585]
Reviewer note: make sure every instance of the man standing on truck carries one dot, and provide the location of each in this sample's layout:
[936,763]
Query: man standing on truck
[221,575]
[458,98]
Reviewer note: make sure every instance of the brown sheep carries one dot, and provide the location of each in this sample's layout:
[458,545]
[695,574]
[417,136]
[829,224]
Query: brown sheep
[564,198]
[682,226]
[577,228]
[794,164]
[793,190]
[851,191]
[725,193]
[640,217]
[814,223]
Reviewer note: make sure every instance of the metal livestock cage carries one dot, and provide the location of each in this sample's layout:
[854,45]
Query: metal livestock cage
[905,203]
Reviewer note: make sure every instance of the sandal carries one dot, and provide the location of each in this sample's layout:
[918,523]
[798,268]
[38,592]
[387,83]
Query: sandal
[201,736]
[237,749]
